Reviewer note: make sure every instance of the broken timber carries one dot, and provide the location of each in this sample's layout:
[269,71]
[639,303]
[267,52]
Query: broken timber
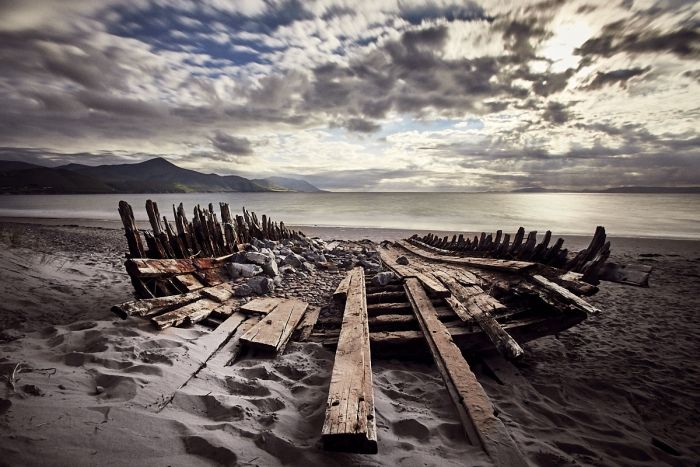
[273,331]
[350,423]
[476,412]
[473,303]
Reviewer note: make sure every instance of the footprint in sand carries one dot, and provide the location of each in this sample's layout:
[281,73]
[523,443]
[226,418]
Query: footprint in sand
[116,387]
[246,388]
[268,404]
[411,428]
[200,446]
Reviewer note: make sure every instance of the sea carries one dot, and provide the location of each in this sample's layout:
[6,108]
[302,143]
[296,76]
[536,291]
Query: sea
[626,215]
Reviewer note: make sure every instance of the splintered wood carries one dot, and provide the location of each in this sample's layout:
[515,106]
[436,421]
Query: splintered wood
[471,302]
[476,412]
[350,421]
[273,331]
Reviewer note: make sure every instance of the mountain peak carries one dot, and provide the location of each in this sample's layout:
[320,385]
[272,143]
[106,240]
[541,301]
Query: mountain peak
[158,162]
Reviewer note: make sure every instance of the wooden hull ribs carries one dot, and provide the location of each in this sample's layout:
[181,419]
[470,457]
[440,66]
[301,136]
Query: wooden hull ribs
[193,253]
[590,264]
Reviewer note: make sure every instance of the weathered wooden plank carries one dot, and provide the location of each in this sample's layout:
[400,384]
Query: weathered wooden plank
[475,409]
[188,282]
[342,290]
[142,267]
[350,423]
[386,297]
[482,263]
[273,331]
[213,276]
[262,305]
[389,255]
[197,311]
[564,294]
[308,322]
[152,306]
[219,293]
[473,303]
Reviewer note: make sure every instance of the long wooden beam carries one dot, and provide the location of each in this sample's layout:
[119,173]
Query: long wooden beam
[153,306]
[142,267]
[473,303]
[475,409]
[350,423]
[481,263]
[565,294]
[389,258]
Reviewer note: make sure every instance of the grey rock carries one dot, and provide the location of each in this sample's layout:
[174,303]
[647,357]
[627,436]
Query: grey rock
[237,270]
[402,260]
[384,278]
[243,290]
[320,258]
[370,265]
[256,257]
[261,285]
[270,268]
[293,260]
[287,269]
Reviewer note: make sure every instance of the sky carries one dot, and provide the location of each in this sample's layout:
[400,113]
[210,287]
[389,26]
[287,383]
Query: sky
[360,95]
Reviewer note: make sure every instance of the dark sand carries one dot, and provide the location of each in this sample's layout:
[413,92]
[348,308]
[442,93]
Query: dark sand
[619,389]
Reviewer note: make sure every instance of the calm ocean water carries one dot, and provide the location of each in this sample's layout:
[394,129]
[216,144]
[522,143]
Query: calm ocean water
[635,215]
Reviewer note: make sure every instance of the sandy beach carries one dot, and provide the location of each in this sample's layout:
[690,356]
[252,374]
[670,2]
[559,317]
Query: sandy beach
[618,389]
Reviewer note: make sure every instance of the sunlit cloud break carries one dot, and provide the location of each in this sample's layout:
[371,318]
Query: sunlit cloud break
[375,95]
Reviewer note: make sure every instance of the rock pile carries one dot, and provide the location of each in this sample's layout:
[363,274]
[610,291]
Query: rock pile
[299,266]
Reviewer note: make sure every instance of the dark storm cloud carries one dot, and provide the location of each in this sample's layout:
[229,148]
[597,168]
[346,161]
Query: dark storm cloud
[231,144]
[556,113]
[615,39]
[411,76]
[616,76]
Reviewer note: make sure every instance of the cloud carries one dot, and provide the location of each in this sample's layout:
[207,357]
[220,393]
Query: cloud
[231,144]
[621,76]
[206,82]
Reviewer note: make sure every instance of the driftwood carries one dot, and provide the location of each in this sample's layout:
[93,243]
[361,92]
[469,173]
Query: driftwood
[350,423]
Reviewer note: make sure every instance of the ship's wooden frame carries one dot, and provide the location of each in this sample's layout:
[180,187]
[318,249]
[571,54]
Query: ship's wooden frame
[448,297]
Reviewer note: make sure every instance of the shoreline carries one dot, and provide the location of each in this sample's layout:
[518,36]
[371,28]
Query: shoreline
[332,232]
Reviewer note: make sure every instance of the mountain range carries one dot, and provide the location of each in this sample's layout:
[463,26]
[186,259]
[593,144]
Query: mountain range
[152,176]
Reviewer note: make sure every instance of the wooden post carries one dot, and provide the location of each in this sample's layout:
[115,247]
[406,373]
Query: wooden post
[133,238]
[350,423]
[475,410]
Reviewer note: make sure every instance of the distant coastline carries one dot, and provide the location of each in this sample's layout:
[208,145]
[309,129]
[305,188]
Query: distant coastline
[152,176]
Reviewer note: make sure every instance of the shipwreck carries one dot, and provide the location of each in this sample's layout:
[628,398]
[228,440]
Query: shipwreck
[438,297]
